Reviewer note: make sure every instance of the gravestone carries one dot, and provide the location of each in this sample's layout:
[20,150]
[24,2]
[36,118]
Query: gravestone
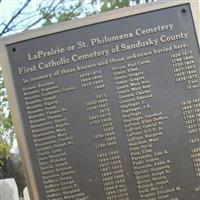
[108,107]
[8,189]
[26,194]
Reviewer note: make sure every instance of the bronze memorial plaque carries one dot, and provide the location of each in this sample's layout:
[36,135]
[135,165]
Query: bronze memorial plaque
[108,107]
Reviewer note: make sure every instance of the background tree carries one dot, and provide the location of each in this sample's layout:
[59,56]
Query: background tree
[6,125]
[81,9]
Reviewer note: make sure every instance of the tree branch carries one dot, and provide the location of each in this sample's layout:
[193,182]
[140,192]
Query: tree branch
[6,28]
[20,22]
[49,10]
[21,17]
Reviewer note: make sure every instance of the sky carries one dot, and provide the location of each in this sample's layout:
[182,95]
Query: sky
[9,7]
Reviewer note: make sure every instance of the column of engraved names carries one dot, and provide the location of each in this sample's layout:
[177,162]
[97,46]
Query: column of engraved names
[191,115]
[105,140]
[151,168]
[50,136]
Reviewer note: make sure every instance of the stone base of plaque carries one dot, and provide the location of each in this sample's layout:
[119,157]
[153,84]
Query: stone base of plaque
[26,194]
[8,189]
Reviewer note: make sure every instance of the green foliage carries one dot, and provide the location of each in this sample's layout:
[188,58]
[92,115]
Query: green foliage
[113,4]
[47,17]
[64,14]
[59,17]
[67,16]
[6,129]
[6,125]
[78,9]
[4,152]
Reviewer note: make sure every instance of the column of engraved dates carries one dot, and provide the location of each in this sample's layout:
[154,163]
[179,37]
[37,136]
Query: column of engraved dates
[143,131]
[191,115]
[108,155]
[185,70]
[50,135]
